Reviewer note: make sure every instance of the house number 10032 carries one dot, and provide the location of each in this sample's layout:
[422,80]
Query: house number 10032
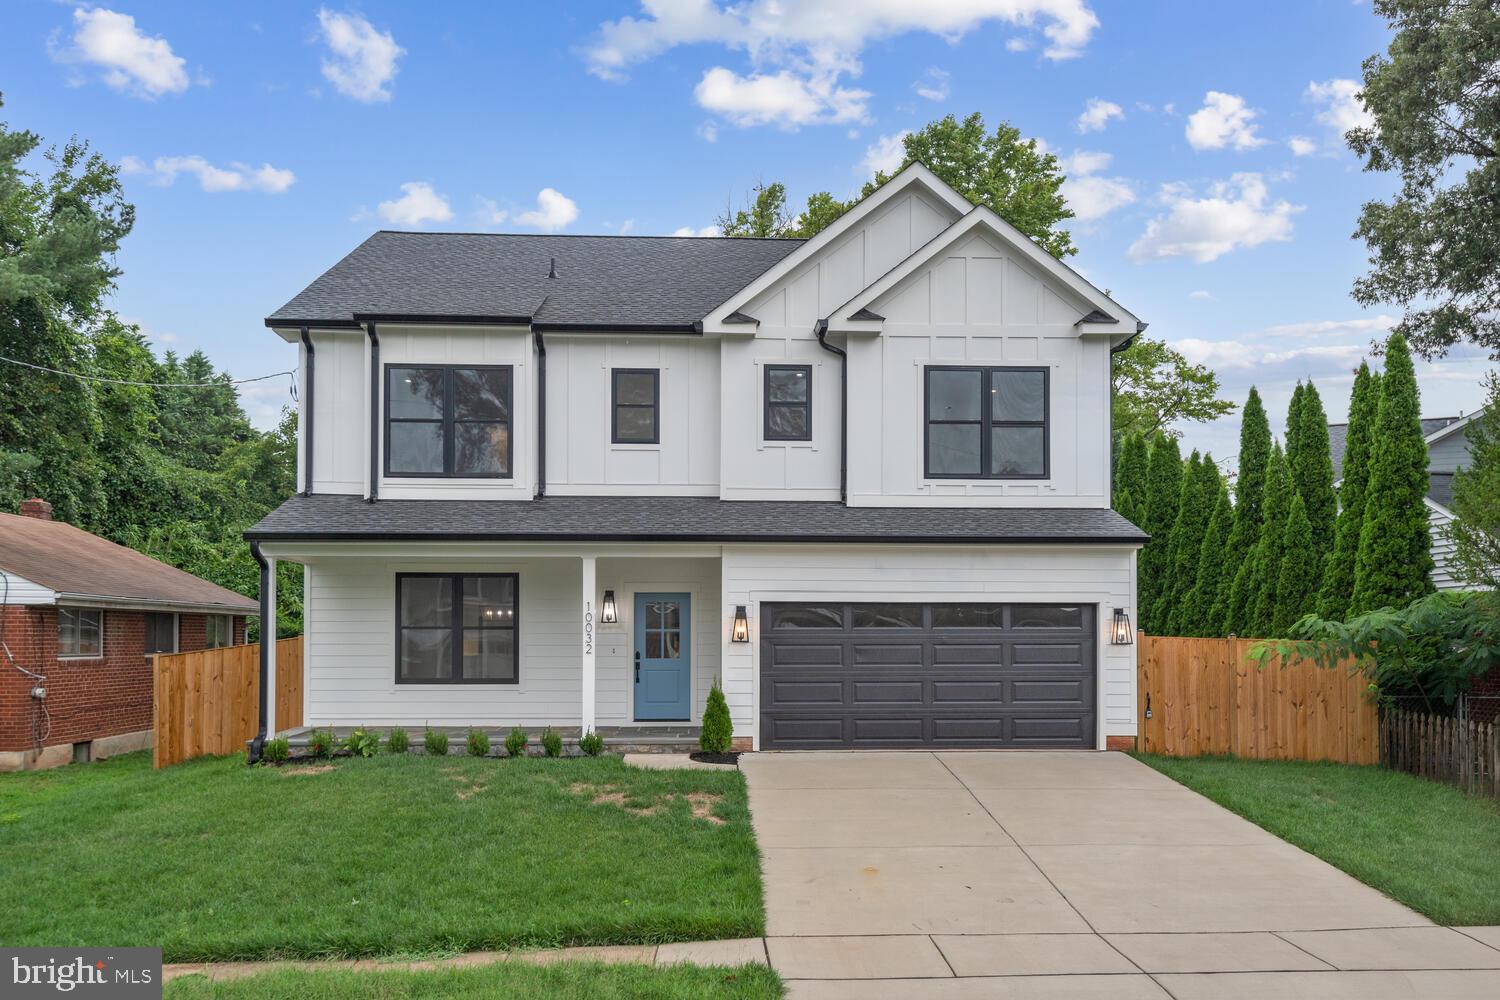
[588,628]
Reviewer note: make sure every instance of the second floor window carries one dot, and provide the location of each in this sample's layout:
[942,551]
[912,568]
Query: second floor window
[986,423]
[448,421]
[635,397]
[788,403]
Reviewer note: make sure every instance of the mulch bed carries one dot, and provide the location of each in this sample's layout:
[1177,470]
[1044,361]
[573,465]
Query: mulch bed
[733,757]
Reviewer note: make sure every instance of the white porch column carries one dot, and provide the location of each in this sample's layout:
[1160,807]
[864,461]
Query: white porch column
[268,641]
[589,642]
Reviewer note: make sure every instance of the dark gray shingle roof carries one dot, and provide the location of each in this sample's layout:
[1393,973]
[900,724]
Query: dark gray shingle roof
[642,281]
[1338,436]
[701,519]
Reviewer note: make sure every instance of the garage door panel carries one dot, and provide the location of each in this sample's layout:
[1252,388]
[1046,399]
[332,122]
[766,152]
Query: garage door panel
[993,675]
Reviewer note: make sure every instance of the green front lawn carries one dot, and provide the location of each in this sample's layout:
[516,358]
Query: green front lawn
[1421,843]
[564,981]
[400,854]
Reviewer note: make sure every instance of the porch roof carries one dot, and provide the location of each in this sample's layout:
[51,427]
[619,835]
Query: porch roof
[328,517]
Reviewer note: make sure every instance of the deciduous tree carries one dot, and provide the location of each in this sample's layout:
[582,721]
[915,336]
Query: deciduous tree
[1155,387]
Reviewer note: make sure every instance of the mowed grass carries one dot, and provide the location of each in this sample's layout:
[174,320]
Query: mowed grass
[1423,844]
[400,854]
[563,981]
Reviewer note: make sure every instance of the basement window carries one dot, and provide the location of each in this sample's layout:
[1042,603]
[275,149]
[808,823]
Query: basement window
[80,632]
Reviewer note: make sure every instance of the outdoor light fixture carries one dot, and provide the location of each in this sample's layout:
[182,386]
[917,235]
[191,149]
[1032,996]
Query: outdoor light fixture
[607,614]
[741,631]
[1121,634]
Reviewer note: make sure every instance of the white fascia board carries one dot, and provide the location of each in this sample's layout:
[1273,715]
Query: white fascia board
[144,604]
[981,216]
[913,174]
[1444,511]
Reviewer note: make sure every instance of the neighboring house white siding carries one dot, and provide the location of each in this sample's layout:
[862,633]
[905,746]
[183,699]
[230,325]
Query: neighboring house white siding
[1438,519]
[1450,452]
[19,590]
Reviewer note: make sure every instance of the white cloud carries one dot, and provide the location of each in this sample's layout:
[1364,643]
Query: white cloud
[1016,45]
[700,231]
[1233,214]
[782,98]
[362,63]
[1365,325]
[132,61]
[235,177]
[1089,195]
[709,131]
[490,213]
[554,211]
[1301,145]
[885,155]
[1201,294]
[1224,120]
[934,84]
[1342,107]
[419,204]
[626,228]
[1247,353]
[1097,114]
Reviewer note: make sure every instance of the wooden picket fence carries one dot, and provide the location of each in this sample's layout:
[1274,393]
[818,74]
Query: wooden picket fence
[1206,696]
[206,702]
[1457,751]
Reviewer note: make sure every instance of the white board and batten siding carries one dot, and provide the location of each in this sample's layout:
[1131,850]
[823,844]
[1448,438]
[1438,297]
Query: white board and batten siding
[1098,575]
[340,427]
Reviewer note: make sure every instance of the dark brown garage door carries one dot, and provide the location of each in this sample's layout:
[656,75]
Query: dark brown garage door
[856,676]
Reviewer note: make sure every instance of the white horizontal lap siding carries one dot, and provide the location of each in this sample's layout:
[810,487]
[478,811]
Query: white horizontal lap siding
[1084,574]
[350,643]
[1442,551]
[340,426]
[19,590]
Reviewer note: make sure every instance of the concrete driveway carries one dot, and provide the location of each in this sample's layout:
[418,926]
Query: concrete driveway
[1013,874]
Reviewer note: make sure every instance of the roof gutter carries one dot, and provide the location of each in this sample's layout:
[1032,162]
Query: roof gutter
[308,388]
[374,411]
[267,620]
[541,412]
[821,331]
[1125,344]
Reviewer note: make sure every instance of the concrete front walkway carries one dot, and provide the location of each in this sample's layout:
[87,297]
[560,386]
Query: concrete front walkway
[995,874]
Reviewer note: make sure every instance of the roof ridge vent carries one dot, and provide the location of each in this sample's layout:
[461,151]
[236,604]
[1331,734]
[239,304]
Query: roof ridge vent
[552,268]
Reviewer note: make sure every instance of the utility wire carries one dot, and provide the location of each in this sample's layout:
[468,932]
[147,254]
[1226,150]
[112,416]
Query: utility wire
[148,385]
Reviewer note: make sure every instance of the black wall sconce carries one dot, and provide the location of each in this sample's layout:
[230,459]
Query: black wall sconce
[608,614]
[741,632]
[1121,634]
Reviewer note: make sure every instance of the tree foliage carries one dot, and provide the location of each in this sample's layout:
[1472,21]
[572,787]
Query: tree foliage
[1249,492]
[1198,606]
[1312,472]
[1155,387]
[1475,530]
[1200,490]
[1266,562]
[1297,576]
[1434,98]
[1131,470]
[1338,570]
[1163,495]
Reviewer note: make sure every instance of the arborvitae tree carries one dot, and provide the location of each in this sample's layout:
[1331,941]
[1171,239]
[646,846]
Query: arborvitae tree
[1249,493]
[1394,566]
[1130,478]
[1163,494]
[1338,570]
[1297,576]
[1197,615]
[1182,551]
[1261,606]
[1313,474]
[1293,438]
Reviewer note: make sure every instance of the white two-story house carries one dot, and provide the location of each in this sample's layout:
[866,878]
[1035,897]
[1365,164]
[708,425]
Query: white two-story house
[860,482]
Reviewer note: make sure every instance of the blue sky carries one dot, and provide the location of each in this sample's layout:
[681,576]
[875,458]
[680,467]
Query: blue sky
[1201,139]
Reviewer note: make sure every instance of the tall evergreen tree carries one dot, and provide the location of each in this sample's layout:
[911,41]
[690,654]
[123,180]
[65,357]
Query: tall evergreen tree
[1292,441]
[1197,614]
[1313,474]
[1130,478]
[1265,575]
[1394,566]
[1249,491]
[1337,589]
[1200,483]
[1297,576]
[1163,494]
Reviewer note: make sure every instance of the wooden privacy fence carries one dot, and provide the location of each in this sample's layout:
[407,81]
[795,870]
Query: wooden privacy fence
[1458,751]
[1206,696]
[206,702]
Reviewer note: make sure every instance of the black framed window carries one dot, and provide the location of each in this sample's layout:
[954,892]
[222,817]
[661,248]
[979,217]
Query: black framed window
[987,423]
[788,394]
[448,421]
[80,632]
[457,628]
[635,398]
[161,632]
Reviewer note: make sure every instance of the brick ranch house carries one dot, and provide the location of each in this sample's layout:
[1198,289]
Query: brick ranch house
[81,619]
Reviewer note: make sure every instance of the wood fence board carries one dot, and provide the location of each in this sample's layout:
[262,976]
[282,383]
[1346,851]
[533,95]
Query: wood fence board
[206,702]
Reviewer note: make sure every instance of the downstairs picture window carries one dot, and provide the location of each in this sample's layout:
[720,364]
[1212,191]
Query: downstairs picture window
[80,632]
[457,628]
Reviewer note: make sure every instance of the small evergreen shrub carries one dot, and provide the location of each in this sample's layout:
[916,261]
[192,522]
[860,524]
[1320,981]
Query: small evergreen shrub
[362,743]
[591,743]
[478,742]
[515,742]
[435,743]
[551,742]
[718,728]
[320,744]
[398,741]
[276,751]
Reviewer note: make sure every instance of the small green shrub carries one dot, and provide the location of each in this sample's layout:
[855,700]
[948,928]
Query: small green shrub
[398,741]
[479,742]
[276,751]
[591,743]
[320,743]
[551,742]
[435,743]
[515,742]
[362,743]
[718,729]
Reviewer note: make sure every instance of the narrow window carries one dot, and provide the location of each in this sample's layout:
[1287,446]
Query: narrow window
[161,632]
[218,631]
[788,393]
[456,628]
[987,423]
[80,632]
[444,421]
[636,396]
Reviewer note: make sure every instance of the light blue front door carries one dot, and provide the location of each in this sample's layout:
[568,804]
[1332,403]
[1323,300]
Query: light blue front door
[663,665]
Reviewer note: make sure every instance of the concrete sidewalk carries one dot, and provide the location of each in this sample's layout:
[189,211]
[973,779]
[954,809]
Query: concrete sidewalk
[976,874]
